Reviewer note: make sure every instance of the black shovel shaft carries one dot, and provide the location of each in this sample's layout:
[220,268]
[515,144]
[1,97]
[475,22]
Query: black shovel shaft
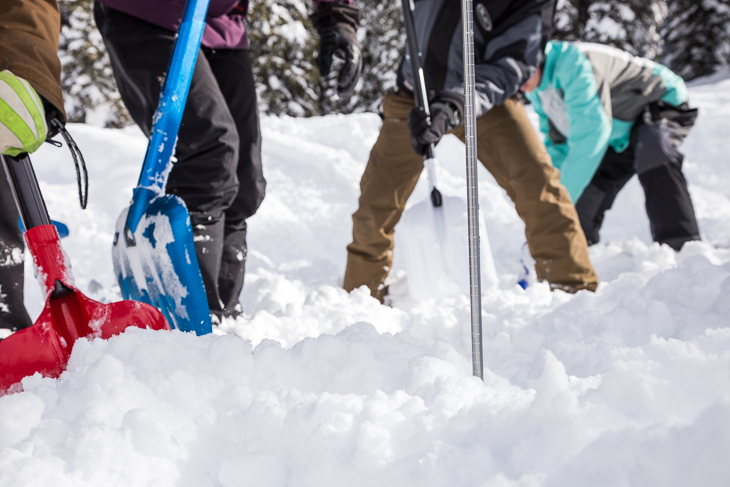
[414,54]
[26,193]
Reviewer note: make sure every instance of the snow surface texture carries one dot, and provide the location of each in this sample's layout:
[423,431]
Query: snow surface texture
[314,387]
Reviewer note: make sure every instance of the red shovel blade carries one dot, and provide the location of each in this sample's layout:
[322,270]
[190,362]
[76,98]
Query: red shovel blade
[67,316]
[46,346]
[25,352]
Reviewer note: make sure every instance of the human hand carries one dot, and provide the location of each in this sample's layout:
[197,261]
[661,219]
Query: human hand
[447,113]
[337,25]
[22,117]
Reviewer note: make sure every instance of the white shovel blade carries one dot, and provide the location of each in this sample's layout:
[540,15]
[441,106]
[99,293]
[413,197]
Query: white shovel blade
[434,243]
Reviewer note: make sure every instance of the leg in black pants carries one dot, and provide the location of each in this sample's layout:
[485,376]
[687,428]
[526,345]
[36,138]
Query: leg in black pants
[232,70]
[659,166]
[615,171]
[209,150]
[13,315]
[653,154]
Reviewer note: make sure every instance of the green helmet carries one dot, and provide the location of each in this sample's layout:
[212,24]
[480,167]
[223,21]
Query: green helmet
[22,118]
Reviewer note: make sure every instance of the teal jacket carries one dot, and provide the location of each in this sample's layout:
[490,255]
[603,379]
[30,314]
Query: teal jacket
[589,98]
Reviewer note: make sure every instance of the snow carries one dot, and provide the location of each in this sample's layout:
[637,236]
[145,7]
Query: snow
[312,387]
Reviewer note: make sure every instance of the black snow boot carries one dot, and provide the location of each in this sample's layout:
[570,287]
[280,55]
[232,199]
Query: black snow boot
[222,258]
[208,238]
[232,271]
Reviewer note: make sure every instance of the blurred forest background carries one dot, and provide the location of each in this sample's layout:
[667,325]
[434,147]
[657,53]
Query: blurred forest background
[692,37]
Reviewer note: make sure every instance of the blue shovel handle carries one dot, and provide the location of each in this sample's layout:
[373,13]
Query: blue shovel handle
[156,168]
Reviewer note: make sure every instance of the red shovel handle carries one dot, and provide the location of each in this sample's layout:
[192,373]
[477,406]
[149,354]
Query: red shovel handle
[49,260]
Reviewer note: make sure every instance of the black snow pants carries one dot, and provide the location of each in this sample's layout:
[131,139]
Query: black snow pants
[653,154]
[218,173]
[13,315]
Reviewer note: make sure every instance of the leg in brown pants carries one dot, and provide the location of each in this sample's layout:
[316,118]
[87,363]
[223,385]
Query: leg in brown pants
[510,150]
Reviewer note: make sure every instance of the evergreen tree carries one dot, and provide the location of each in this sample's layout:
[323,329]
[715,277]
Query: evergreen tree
[696,36]
[284,49]
[87,79]
[382,38]
[283,54]
[283,46]
[383,49]
[632,25]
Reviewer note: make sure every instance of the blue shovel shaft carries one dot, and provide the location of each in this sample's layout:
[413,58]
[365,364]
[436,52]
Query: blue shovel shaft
[154,252]
[158,160]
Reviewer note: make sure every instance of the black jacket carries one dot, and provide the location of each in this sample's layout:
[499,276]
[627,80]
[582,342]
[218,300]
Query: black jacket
[509,41]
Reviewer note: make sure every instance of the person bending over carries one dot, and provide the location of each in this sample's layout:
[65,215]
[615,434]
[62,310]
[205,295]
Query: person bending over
[606,116]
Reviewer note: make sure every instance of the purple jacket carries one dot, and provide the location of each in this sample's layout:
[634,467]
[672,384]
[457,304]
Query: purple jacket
[224,25]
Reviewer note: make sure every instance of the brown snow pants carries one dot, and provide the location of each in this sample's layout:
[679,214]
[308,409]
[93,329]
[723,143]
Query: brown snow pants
[29,32]
[511,151]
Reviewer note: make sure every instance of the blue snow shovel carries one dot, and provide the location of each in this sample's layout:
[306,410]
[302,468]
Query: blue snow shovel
[153,251]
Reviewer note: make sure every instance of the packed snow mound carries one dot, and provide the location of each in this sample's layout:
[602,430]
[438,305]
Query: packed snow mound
[312,387]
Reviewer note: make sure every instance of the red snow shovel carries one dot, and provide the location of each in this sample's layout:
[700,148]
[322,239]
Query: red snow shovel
[68,315]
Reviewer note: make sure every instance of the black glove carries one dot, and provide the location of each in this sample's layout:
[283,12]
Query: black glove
[337,25]
[447,113]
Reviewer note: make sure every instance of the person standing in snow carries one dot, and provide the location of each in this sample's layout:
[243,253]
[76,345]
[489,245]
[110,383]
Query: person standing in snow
[509,38]
[606,116]
[218,173]
[30,100]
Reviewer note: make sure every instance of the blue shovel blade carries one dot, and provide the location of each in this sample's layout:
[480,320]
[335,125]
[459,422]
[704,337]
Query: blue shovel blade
[162,269]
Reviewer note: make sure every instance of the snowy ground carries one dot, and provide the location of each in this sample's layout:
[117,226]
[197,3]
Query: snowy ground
[628,386]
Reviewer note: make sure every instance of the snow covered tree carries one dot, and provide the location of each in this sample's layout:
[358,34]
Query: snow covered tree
[283,53]
[696,36]
[87,79]
[284,49]
[383,48]
[382,37]
[632,25]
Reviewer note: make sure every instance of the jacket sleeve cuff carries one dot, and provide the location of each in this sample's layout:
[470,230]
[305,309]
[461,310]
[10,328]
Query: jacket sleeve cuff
[329,14]
[452,103]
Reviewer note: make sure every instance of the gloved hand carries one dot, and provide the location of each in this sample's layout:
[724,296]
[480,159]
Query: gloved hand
[447,113]
[22,117]
[337,25]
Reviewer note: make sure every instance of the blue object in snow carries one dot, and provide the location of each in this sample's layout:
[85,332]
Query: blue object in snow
[153,252]
[61,228]
[522,279]
[522,282]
